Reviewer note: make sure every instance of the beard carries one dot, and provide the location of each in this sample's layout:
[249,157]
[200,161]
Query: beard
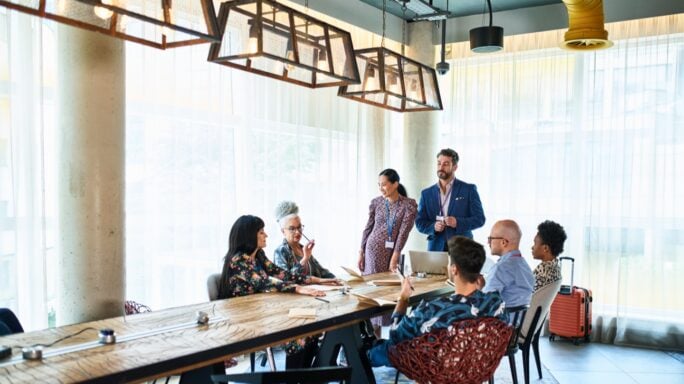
[443,175]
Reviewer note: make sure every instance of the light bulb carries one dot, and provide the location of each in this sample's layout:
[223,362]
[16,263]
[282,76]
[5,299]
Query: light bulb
[322,60]
[253,43]
[103,13]
[394,85]
[290,56]
[413,93]
[371,80]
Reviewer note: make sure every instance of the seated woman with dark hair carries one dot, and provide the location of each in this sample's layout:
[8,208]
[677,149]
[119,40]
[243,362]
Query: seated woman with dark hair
[246,270]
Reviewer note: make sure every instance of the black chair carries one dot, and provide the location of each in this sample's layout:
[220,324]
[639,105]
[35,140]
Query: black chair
[9,324]
[293,376]
[515,319]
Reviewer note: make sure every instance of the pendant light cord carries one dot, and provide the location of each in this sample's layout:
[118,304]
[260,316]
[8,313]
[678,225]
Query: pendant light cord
[384,16]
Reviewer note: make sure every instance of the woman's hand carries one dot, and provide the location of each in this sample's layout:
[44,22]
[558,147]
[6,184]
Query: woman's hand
[362,261]
[394,261]
[307,250]
[303,290]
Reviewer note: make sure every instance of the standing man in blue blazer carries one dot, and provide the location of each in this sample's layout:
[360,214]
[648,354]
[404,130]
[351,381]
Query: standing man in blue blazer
[450,207]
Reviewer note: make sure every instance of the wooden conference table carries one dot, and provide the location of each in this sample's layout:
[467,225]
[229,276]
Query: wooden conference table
[165,342]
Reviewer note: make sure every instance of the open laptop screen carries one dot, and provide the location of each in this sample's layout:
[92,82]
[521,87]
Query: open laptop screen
[435,263]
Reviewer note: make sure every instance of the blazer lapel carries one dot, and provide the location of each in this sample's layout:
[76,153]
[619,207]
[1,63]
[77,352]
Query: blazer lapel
[455,193]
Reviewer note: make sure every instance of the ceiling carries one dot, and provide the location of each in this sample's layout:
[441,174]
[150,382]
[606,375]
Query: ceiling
[458,8]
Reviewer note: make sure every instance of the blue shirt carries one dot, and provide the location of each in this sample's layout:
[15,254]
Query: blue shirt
[512,277]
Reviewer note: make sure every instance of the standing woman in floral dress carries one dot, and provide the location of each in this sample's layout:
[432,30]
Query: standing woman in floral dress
[390,219]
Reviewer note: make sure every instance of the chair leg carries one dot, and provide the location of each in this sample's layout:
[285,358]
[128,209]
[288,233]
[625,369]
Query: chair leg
[535,349]
[511,362]
[271,359]
[396,377]
[526,363]
[491,380]
[252,361]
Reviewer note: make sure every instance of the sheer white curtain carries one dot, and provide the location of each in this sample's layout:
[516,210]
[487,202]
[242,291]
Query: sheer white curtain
[593,141]
[206,143]
[27,184]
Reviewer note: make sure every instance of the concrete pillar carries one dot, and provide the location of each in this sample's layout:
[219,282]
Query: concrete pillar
[421,131]
[91,126]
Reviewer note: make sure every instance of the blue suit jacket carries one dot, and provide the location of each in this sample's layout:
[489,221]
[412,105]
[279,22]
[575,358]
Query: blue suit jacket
[464,205]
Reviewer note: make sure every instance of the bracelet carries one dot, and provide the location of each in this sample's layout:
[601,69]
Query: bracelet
[404,299]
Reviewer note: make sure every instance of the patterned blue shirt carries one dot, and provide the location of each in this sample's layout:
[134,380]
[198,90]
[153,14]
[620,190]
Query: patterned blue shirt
[512,277]
[441,312]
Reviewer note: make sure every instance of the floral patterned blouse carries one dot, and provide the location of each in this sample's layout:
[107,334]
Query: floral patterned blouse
[246,278]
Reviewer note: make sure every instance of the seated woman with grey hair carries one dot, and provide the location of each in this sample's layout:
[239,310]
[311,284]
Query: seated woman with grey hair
[293,256]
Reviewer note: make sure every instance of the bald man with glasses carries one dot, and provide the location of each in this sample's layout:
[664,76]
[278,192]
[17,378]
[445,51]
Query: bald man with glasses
[511,276]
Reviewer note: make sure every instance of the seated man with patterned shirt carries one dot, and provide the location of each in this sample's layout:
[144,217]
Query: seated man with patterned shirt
[467,302]
[548,244]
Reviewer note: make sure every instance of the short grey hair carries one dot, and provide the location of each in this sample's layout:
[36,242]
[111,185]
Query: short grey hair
[285,209]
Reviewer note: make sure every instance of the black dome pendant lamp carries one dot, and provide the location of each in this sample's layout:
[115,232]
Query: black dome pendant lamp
[487,39]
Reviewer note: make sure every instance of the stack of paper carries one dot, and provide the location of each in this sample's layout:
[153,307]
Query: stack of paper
[372,301]
[302,313]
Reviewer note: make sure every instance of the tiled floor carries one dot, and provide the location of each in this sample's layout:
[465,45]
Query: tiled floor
[607,364]
[565,363]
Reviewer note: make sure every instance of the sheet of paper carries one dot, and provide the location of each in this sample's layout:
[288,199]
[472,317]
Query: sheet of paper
[372,301]
[385,282]
[302,313]
[352,272]
[325,288]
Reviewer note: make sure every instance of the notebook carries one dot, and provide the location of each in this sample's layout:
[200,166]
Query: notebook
[373,301]
[434,263]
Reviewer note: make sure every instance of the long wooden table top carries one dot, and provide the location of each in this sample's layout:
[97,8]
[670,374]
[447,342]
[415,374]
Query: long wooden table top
[169,341]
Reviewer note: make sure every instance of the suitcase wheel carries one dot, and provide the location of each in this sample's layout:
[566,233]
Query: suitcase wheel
[552,337]
[576,341]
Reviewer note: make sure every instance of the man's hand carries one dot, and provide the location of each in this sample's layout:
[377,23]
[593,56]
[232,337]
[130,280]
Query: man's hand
[439,226]
[451,221]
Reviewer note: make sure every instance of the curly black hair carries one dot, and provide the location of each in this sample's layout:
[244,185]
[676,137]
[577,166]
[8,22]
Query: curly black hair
[553,235]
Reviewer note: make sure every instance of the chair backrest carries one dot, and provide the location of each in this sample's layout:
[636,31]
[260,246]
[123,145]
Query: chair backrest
[541,299]
[132,307]
[468,351]
[213,283]
[293,376]
[516,315]
[9,324]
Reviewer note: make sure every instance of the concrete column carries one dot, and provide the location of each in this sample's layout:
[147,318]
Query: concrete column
[421,131]
[91,126]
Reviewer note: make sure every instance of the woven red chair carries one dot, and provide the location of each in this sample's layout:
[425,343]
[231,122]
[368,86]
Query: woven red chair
[131,307]
[467,352]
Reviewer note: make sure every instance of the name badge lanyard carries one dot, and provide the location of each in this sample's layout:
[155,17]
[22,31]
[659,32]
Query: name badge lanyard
[390,223]
[446,198]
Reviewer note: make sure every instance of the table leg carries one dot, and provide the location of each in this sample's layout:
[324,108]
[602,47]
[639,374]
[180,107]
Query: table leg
[349,339]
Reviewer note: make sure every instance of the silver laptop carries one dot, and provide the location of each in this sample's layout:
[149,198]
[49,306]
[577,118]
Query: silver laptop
[435,263]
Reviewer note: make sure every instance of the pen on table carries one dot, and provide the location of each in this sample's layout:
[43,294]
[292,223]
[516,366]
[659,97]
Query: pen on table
[322,299]
[402,276]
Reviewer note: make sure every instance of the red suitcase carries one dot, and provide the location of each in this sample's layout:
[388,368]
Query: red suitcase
[570,314]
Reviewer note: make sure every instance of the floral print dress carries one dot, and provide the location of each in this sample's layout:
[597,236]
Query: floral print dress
[247,277]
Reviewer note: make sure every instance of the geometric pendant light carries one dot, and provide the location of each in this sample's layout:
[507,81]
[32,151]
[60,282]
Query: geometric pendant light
[157,23]
[393,81]
[270,39]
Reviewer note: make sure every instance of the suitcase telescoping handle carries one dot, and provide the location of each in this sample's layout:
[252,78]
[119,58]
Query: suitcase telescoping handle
[565,289]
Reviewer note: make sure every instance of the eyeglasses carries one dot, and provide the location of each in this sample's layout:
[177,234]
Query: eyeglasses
[299,229]
[490,238]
